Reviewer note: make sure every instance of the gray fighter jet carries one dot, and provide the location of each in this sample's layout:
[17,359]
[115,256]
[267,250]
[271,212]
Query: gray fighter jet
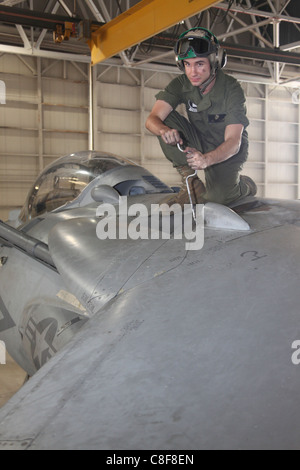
[146,343]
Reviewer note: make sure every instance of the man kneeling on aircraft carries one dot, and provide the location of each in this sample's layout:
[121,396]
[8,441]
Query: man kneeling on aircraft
[215,133]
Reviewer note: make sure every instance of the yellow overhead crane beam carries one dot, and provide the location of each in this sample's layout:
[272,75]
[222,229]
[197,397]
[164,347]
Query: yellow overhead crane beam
[144,20]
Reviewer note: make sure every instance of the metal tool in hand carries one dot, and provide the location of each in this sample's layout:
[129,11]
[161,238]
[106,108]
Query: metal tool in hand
[182,149]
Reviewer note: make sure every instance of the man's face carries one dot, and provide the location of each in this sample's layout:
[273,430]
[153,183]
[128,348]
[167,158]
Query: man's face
[197,70]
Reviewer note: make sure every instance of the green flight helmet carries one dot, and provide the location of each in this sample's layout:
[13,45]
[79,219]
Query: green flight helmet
[200,42]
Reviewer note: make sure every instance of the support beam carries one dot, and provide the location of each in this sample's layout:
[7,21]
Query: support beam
[91,108]
[25,17]
[33,52]
[2,92]
[44,32]
[256,53]
[11,3]
[24,38]
[37,19]
[144,20]
[258,13]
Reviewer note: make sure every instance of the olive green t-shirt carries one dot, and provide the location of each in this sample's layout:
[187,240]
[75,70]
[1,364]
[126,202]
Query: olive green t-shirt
[210,113]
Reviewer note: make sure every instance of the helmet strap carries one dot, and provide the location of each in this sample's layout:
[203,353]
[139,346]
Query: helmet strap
[205,85]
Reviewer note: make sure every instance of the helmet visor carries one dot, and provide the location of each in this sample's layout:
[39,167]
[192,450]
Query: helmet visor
[200,46]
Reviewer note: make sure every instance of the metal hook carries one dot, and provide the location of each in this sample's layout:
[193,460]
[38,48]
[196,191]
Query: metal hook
[190,196]
[182,149]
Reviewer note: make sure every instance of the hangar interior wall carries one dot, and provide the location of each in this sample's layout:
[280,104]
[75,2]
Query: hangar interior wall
[46,115]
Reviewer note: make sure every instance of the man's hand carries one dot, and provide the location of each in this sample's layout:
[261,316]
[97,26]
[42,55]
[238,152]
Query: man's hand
[156,123]
[171,136]
[196,160]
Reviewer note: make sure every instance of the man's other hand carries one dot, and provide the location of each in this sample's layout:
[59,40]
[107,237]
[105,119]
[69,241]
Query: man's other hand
[171,136]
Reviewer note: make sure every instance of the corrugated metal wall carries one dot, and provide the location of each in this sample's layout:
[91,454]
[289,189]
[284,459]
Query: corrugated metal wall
[124,101]
[46,115]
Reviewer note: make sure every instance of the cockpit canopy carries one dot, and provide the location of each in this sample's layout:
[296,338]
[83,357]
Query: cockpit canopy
[68,177]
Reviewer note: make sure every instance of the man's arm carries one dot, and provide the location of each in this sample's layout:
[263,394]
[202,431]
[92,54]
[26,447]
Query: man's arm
[230,147]
[155,123]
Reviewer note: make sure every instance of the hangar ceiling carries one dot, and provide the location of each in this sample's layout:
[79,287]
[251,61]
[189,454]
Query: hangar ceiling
[261,37]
